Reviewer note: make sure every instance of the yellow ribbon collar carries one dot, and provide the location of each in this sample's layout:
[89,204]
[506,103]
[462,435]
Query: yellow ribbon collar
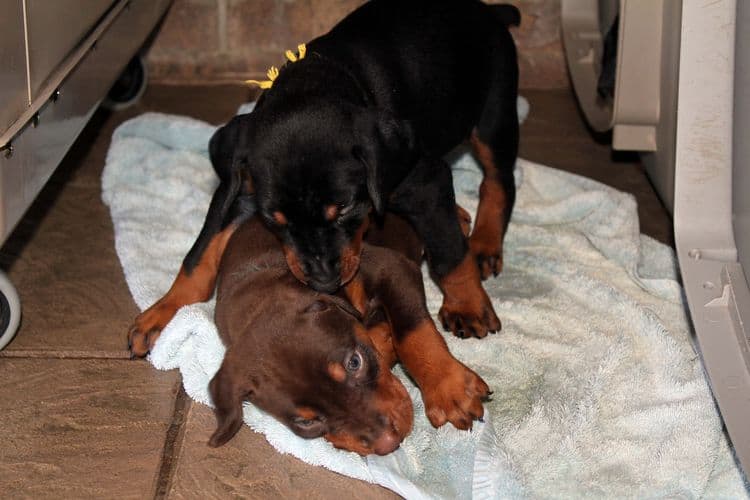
[273,71]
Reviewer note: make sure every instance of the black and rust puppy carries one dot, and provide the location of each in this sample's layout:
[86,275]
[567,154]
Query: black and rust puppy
[308,359]
[362,122]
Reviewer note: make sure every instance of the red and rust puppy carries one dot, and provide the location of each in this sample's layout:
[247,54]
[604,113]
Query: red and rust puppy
[307,359]
[361,123]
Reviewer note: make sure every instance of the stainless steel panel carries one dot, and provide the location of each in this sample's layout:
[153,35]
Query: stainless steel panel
[54,30]
[741,144]
[38,150]
[13,94]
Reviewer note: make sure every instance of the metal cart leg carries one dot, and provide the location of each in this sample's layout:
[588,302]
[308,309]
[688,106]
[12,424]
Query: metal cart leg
[10,310]
[129,87]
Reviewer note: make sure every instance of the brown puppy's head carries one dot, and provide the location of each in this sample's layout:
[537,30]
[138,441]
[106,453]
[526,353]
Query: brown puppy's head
[308,360]
[318,170]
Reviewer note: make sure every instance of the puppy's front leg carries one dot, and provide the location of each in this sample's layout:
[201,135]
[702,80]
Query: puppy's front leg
[426,199]
[451,391]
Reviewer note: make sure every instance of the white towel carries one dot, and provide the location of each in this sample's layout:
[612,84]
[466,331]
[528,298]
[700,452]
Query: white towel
[598,390]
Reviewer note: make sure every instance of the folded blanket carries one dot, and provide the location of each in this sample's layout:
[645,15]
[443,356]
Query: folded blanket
[598,390]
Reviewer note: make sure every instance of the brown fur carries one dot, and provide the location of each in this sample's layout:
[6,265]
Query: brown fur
[288,347]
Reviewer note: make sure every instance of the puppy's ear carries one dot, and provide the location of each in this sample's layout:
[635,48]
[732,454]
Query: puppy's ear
[227,397]
[386,146]
[226,149]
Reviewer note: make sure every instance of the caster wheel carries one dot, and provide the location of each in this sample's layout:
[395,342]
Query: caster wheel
[10,310]
[129,88]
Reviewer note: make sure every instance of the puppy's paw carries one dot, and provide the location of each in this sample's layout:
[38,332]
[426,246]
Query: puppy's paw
[141,342]
[472,316]
[456,397]
[488,253]
[466,310]
[146,329]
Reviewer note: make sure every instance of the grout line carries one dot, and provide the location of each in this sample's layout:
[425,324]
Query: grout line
[52,354]
[172,444]
[221,24]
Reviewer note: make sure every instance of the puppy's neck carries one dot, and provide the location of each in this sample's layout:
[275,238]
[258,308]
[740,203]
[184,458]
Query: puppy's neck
[319,76]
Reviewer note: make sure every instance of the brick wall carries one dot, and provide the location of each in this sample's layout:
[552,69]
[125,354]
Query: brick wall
[231,40]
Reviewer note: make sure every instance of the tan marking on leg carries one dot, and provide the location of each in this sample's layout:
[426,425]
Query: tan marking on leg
[486,240]
[466,310]
[197,286]
[451,391]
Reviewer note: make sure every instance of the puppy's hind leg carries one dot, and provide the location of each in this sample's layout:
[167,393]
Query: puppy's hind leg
[495,144]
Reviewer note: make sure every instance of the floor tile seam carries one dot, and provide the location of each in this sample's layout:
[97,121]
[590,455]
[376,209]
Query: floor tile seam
[173,442]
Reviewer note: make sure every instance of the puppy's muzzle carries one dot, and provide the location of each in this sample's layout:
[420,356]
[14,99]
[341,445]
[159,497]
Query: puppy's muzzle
[323,275]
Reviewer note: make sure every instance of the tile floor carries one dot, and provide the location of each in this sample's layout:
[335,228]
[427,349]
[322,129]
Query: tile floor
[81,420]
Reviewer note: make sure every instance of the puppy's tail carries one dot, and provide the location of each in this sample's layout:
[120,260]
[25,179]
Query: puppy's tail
[507,14]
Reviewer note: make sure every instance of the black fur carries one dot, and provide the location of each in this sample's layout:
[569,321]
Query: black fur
[363,121]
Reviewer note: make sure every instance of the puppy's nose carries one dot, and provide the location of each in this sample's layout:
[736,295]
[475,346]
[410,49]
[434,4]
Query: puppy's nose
[323,275]
[386,443]
[324,286]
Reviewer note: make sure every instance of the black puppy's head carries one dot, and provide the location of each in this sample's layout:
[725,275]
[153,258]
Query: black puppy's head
[314,366]
[318,169]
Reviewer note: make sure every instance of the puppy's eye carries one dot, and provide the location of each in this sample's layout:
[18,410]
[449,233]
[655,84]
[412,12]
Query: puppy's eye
[306,422]
[354,362]
[317,306]
[343,211]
